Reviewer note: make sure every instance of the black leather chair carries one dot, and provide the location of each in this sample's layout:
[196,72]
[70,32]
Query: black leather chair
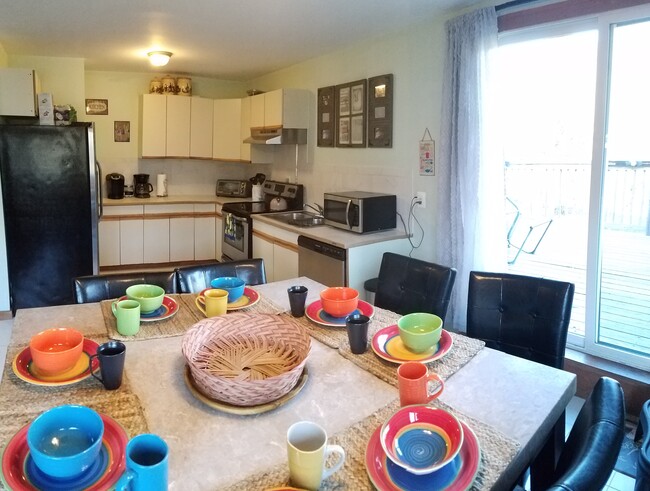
[589,454]
[102,287]
[520,315]
[193,279]
[643,435]
[406,285]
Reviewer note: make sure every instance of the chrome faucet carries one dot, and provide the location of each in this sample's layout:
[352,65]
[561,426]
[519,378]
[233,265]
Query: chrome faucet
[318,209]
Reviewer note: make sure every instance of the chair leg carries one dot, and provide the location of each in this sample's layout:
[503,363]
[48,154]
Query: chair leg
[542,469]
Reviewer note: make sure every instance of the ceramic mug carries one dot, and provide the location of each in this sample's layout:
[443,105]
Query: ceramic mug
[111,356]
[413,380]
[147,464]
[127,313]
[215,302]
[308,451]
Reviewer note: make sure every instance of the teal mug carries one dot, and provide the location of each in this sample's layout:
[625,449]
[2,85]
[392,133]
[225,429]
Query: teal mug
[146,464]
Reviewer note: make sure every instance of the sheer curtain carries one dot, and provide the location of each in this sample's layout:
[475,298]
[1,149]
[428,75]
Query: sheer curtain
[470,232]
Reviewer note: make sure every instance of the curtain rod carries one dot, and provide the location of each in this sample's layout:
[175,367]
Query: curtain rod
[513,3]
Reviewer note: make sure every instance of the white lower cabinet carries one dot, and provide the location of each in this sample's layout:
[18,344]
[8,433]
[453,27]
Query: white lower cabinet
[263,248]
[156,240]
[218,237]
[181,243]
[109,243]
[204,238]
[285,263]
[132,241]
[279,249]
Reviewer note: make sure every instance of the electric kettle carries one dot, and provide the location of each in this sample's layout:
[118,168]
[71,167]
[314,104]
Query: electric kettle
[115,186]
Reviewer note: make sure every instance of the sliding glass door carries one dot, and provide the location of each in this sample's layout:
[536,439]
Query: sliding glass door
[576,133]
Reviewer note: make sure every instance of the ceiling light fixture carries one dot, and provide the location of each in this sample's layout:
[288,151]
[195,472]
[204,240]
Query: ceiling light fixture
[159,58]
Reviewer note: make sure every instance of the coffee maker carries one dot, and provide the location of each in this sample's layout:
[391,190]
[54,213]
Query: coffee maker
[115,186]
[142,186]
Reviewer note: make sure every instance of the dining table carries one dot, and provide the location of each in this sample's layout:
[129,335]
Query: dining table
[511,404]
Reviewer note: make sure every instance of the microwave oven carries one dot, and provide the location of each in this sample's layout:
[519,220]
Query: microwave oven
[234,188]
[360,211]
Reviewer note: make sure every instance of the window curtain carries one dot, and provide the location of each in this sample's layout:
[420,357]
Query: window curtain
[470,232]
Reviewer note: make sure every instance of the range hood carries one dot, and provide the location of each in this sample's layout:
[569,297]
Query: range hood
[277,136]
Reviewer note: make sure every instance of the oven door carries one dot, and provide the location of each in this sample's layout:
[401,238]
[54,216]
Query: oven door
[236,237]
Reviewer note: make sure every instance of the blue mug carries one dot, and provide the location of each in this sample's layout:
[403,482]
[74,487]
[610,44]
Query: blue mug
[146,464]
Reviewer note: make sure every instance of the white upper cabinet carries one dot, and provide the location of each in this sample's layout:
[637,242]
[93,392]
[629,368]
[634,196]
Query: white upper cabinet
[179,111]
[18,89]
[245,129]
[201,121]
[257,110]
[226,140]
[288,108]
[154,125]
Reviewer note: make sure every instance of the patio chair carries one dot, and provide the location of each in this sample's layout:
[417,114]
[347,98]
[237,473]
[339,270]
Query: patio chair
[528,240]
[95,288]
[193,279]
[406,285]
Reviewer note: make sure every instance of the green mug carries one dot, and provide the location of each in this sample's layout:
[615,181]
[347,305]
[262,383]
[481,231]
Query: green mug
[127,313]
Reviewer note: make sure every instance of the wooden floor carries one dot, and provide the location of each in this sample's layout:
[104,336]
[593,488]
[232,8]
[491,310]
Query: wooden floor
[625,292]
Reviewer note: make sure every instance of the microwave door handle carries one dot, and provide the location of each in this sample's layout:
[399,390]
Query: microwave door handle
[347,213]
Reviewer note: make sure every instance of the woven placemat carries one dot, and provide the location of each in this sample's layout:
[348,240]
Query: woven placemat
[164,328]
[21,402]
[497,451]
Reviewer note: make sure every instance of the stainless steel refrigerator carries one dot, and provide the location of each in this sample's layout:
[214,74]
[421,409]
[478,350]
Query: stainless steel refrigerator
[51,196]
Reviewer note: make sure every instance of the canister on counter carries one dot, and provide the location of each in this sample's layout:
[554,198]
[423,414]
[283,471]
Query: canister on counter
[184,86]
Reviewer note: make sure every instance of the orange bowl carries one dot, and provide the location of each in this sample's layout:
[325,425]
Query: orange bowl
[56,350]
[339,301]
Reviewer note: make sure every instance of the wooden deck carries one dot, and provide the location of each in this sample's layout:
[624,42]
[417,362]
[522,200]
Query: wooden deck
[625,292]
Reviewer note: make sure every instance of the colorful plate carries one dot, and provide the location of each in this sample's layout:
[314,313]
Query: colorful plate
[25,369]
[244,410]
[456,476]
[388,345]
[248,299]
[168,308]
[315,313]
[20,473]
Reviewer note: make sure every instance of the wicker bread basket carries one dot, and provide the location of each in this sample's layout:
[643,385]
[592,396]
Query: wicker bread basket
[246,359]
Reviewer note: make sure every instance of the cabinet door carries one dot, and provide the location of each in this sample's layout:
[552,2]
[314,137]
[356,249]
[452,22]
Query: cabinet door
[204,236]
[131,241]
[181,239]
[285,263]
[201,116]
[245,148]
[264,249]
[109,242]
[156,240]
[154,125]
[227,130]
[178,126]
[257,111]
[218,237]
[273,108]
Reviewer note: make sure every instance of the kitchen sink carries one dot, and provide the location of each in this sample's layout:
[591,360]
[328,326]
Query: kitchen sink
[298,218]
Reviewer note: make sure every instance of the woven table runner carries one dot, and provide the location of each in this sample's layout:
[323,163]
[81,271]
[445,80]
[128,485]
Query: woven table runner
[497,451]
[21,402]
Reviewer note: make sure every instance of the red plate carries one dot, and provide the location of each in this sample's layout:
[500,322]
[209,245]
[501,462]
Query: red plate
[315,313]
[455,476]
[17,465]
[25,370]
[387,344]
[248,299]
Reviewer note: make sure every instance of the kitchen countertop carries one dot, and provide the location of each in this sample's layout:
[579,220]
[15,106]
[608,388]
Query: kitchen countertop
[172,200]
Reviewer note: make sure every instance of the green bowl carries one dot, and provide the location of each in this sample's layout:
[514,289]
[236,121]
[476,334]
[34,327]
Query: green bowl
[150,297]
[420,332]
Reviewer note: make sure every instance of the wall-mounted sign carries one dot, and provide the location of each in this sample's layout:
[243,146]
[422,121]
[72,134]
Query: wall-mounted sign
[97,106]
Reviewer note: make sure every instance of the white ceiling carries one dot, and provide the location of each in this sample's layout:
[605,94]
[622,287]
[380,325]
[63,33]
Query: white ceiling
[225,39]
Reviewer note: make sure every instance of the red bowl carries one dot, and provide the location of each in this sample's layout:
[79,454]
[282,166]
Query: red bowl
[421,438]
[56,350]
[339,301]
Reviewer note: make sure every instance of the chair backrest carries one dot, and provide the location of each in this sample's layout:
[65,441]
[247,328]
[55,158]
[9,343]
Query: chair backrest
[589,454]
[520,315]
[102,287]
[406,285]
[643,464]
[193,279]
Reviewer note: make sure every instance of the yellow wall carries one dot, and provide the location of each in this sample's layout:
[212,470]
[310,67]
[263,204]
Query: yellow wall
[4,59]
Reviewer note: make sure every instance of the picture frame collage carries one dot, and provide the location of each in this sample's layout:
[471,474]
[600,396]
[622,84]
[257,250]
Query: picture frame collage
[356,114]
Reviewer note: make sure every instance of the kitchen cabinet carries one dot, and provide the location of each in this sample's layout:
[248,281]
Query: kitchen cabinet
[153,126]
[179,110]
[279,249]
[218,235]
[109,242]
[204,232]
[132,241]
[181,239]
[245,129]
[227,140]
[201,133]
[288,108]
[18,89]
[156,241]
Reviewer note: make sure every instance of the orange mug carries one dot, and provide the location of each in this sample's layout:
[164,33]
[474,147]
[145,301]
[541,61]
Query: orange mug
[413,379]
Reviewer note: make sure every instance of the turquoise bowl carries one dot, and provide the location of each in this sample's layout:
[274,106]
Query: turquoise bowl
[233,285]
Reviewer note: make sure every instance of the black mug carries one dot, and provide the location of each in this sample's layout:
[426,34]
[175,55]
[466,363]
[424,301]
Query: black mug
[111,357]
[357,327]
[297,298]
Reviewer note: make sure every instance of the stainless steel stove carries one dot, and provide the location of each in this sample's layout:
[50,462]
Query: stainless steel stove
[238,222]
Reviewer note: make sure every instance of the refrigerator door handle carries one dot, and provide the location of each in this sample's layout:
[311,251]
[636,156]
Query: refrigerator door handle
[98,183]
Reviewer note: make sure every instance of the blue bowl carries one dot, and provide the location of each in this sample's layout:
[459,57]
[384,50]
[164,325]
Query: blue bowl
[65,440]
[233,285]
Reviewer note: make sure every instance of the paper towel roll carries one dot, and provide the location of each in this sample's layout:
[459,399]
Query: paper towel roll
[161,185]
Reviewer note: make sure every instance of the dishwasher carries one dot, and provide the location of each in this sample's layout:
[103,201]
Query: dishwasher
[321,262]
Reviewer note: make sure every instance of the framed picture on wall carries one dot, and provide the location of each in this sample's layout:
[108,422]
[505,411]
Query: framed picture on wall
[326,117]
[380,111]
[351,114]
[122,131]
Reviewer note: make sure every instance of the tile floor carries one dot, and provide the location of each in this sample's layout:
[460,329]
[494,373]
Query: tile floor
[617,482]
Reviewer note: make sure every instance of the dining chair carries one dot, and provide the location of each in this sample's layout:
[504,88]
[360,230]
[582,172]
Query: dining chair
[406,285]
[590,452]
[95,288]
[193,279]
[643,436]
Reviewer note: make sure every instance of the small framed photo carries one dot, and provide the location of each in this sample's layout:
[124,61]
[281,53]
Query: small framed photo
[122,131]
[351,116]
[326,117]
[97,107]
[380,111]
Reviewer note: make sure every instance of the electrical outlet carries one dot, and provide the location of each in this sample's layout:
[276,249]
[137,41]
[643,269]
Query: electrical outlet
[422,197]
